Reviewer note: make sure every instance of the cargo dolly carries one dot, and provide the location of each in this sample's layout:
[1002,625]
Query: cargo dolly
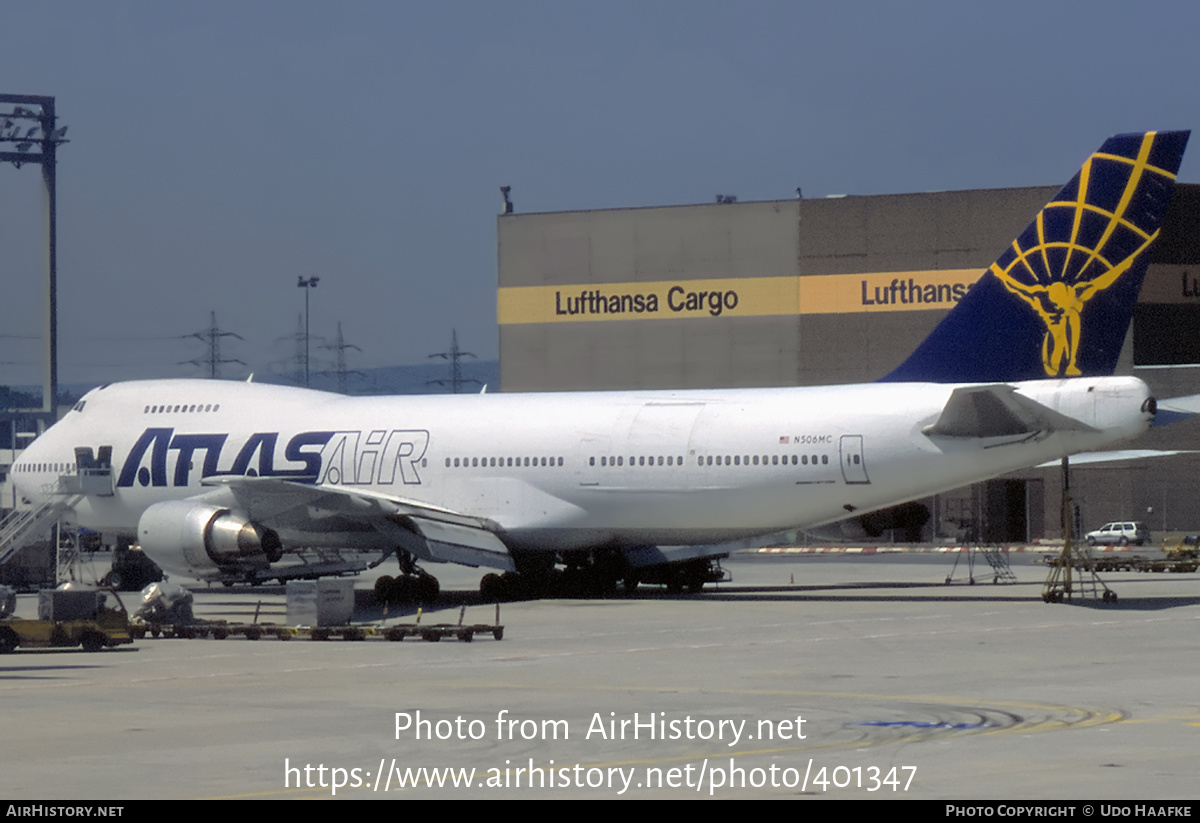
[221,629]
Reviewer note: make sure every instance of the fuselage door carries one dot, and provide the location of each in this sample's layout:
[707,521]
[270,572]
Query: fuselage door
[593,449]
[854,468]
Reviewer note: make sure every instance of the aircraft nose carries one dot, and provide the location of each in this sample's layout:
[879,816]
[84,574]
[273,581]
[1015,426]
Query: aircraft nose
[34,468]
[23,471]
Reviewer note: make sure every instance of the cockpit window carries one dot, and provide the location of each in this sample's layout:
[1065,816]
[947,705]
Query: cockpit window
[79,406]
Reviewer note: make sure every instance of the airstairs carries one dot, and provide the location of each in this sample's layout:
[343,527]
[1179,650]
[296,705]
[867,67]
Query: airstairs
[996,557]
[23,527]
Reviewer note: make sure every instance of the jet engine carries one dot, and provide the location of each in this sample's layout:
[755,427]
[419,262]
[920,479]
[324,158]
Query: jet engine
[196,539]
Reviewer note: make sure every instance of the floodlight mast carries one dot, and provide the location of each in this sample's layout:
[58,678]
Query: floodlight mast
[16,113]
[307,285]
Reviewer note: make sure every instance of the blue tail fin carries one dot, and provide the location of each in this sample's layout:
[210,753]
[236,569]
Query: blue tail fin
[1059,300]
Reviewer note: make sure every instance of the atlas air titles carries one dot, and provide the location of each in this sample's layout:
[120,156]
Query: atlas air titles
[371,457]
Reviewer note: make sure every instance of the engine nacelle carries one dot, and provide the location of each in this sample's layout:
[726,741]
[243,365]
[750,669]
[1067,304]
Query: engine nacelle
[197,539]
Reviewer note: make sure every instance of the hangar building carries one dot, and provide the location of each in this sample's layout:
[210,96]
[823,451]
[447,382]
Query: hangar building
[835,290]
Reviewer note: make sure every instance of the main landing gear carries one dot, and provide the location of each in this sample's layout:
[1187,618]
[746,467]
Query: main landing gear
[595,574]
[581,574]
[497,588]
[413,585]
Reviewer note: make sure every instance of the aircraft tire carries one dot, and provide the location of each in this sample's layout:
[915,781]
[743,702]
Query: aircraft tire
[511,586]
[491,590]
[384,586]
[427,588]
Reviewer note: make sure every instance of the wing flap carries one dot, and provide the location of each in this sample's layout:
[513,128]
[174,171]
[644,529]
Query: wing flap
[451,543]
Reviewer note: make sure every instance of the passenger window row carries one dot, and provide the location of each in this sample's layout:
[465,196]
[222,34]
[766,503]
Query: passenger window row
[195,407]
[635,460]
[718,460]
[44,467]
[495,462]
[645,460]
[755,460]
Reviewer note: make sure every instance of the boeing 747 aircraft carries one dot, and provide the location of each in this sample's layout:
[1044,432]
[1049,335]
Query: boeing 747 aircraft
[236,481]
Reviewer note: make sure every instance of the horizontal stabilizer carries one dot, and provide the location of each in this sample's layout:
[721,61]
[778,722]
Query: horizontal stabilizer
[997,411]
[1123,455]
[1175,409]
[1182,405]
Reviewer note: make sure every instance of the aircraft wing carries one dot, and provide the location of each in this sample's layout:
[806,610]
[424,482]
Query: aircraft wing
[429,532]
[997,410]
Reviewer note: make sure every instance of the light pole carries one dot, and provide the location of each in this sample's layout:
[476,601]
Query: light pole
[307,285]
[28,122]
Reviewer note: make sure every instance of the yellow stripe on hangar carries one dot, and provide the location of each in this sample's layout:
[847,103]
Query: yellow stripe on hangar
[736,297]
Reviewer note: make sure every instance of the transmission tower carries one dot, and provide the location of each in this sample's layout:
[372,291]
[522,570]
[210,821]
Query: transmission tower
[454,355]
[212,336]
[340,347]
[297,361]
[301,339]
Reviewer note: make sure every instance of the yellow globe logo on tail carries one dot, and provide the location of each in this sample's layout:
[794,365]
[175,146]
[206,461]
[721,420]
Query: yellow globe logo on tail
[1057,275]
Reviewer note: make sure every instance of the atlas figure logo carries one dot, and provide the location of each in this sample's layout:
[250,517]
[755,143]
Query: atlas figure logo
[1083,242]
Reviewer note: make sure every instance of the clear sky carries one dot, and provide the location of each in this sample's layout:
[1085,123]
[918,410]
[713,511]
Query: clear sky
[221,149]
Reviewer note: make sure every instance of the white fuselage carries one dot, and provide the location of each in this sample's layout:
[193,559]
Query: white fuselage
[563,471]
